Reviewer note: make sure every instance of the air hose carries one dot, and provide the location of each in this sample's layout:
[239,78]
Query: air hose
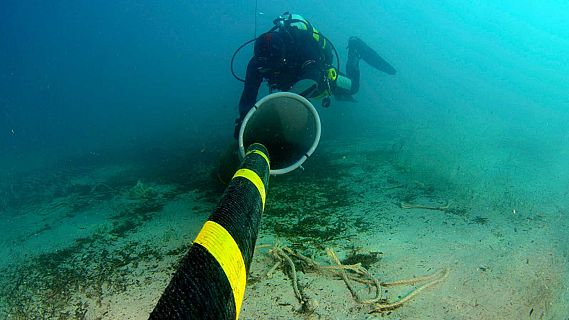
[210,280]
[233,59]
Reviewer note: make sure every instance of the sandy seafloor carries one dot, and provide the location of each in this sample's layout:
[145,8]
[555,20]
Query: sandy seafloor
[100,239]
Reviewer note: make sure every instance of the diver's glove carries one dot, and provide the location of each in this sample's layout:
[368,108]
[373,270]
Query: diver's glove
[238,123]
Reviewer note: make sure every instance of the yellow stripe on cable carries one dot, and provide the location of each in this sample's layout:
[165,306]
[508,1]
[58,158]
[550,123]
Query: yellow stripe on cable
[262,155]
[221,245]
[255,179]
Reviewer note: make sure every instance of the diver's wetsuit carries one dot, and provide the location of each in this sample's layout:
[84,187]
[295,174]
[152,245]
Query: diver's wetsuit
[302,58]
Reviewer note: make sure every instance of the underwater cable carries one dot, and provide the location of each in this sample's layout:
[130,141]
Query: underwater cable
[211,278]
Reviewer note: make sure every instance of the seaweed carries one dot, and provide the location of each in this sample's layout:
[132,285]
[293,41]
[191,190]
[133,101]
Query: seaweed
[308,206]
[479,220]
[365,259]
[42,286]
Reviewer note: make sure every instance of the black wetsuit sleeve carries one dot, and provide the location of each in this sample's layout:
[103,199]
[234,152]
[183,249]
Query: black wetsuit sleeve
[253,80]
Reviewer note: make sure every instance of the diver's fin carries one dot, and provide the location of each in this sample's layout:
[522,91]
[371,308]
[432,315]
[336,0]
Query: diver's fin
[370,56]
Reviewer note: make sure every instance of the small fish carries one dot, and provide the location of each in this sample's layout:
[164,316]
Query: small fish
[13,131]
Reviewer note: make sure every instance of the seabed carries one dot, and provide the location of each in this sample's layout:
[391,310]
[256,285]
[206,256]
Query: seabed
[100,240]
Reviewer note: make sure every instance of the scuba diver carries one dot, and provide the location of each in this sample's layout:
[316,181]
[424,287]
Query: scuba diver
[294,56]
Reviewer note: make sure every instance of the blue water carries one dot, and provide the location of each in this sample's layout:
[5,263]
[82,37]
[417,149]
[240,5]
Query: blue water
[79,76]
[480,99]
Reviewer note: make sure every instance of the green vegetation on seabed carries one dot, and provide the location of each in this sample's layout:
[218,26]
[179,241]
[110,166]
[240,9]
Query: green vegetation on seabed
[69,282]
[309,209]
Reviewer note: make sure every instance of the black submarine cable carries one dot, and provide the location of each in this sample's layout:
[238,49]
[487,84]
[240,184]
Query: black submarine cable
[210,280]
